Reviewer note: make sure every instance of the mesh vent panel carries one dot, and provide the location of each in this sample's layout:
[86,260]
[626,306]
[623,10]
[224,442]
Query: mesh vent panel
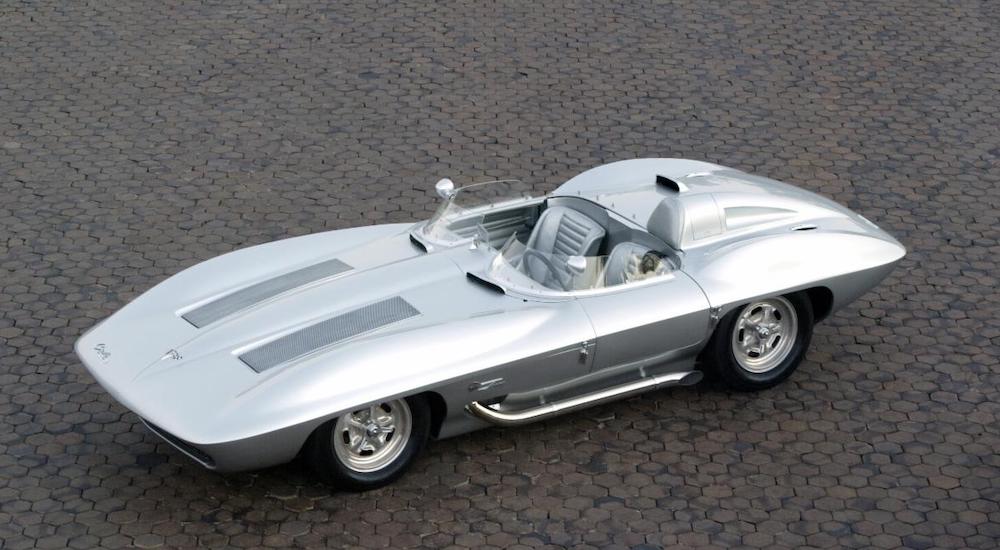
[328,332]
[254,294]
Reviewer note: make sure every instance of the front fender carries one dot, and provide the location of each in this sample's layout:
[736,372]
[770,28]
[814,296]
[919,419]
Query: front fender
[406,361]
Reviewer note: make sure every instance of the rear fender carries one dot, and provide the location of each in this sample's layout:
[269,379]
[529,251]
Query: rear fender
[848,264]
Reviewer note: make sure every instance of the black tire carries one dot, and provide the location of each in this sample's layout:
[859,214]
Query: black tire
[324,460]
[721,361]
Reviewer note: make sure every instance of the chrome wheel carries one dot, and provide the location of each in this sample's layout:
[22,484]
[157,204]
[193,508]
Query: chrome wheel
[370,439]
[764,334]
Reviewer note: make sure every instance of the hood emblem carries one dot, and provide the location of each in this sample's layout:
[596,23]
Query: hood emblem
[102,352]
[172,354]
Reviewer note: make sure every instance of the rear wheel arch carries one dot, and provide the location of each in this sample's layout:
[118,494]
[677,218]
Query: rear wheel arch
[821,298]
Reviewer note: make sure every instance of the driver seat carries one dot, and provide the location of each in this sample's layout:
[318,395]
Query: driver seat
[561,232]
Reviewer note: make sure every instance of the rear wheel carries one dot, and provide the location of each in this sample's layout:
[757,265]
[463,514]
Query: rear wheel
[371,447]
[758,345]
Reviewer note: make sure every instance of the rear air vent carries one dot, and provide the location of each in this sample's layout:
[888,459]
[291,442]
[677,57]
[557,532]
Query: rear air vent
[254,294]
[329,332]
[804,227]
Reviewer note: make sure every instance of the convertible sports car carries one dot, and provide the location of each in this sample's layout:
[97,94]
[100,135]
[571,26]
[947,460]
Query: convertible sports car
[354,347]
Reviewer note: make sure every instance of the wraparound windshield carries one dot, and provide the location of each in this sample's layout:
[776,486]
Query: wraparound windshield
[501,216]
[462,215]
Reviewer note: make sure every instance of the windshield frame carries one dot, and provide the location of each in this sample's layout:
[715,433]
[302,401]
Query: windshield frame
[434,233]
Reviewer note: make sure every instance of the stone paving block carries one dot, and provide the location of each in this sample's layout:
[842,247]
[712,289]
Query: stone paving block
[139,138]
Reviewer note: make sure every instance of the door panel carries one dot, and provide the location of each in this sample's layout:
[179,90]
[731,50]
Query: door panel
[648,320]
[554,353]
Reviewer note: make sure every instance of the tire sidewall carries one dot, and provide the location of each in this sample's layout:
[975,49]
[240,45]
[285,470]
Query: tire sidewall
[328,465]
[734,375]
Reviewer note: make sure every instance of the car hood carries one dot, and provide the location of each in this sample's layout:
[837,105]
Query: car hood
[196,383]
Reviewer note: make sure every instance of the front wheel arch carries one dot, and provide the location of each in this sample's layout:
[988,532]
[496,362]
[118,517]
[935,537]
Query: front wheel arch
[322,456]
[439,411]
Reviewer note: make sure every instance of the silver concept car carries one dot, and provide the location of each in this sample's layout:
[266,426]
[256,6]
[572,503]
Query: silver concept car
[354,347]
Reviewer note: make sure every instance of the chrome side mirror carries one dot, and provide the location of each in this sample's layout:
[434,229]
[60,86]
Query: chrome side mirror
[445,188]
[576,264]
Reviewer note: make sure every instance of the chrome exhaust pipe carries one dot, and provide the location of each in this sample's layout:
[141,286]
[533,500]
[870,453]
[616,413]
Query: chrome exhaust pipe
[548,410]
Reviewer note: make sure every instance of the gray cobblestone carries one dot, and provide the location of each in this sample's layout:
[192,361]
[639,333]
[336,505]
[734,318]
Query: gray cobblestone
[138,138]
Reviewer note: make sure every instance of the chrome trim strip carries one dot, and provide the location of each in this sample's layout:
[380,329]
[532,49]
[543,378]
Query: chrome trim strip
[517,418]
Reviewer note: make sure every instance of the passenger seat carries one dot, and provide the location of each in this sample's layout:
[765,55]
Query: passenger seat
[623,264]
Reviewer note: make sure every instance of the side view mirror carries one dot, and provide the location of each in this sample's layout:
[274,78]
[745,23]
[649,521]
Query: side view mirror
[576,264]
[445,188]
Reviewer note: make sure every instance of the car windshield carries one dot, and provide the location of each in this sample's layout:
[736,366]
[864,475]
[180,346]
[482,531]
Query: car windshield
[460,216]
[518,266]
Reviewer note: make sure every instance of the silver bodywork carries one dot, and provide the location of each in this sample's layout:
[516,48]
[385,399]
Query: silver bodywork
[238,359]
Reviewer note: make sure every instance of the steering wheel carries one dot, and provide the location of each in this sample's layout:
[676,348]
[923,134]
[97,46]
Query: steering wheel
[532,253]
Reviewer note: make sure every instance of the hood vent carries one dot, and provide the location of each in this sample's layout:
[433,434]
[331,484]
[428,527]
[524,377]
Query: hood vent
[329,332]
[254,294]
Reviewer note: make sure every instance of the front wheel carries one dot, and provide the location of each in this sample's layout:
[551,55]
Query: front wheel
[371,447]
[758,345]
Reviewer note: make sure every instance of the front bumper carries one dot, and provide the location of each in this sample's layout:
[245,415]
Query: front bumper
[190,450]
[252,453]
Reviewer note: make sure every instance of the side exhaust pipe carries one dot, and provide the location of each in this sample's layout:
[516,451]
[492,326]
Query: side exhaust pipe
[548,410]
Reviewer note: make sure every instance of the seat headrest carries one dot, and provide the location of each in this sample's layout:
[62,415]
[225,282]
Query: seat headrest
[667,222]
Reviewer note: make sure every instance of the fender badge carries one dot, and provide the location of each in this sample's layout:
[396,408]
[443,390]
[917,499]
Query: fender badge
[102,352]
[172,354]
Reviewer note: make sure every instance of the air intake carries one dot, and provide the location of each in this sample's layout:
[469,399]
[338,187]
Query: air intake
[329,332]
[255,294]
[668,183]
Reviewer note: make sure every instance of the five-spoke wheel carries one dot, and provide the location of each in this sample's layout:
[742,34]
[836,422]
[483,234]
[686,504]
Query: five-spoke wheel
[372,446]
[764,334]
[368,439]
[759,344]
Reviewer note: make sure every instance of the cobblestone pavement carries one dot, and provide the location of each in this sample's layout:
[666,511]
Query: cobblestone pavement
[137,138]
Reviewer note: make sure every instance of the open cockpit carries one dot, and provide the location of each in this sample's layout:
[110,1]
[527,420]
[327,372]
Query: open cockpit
[554,244]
